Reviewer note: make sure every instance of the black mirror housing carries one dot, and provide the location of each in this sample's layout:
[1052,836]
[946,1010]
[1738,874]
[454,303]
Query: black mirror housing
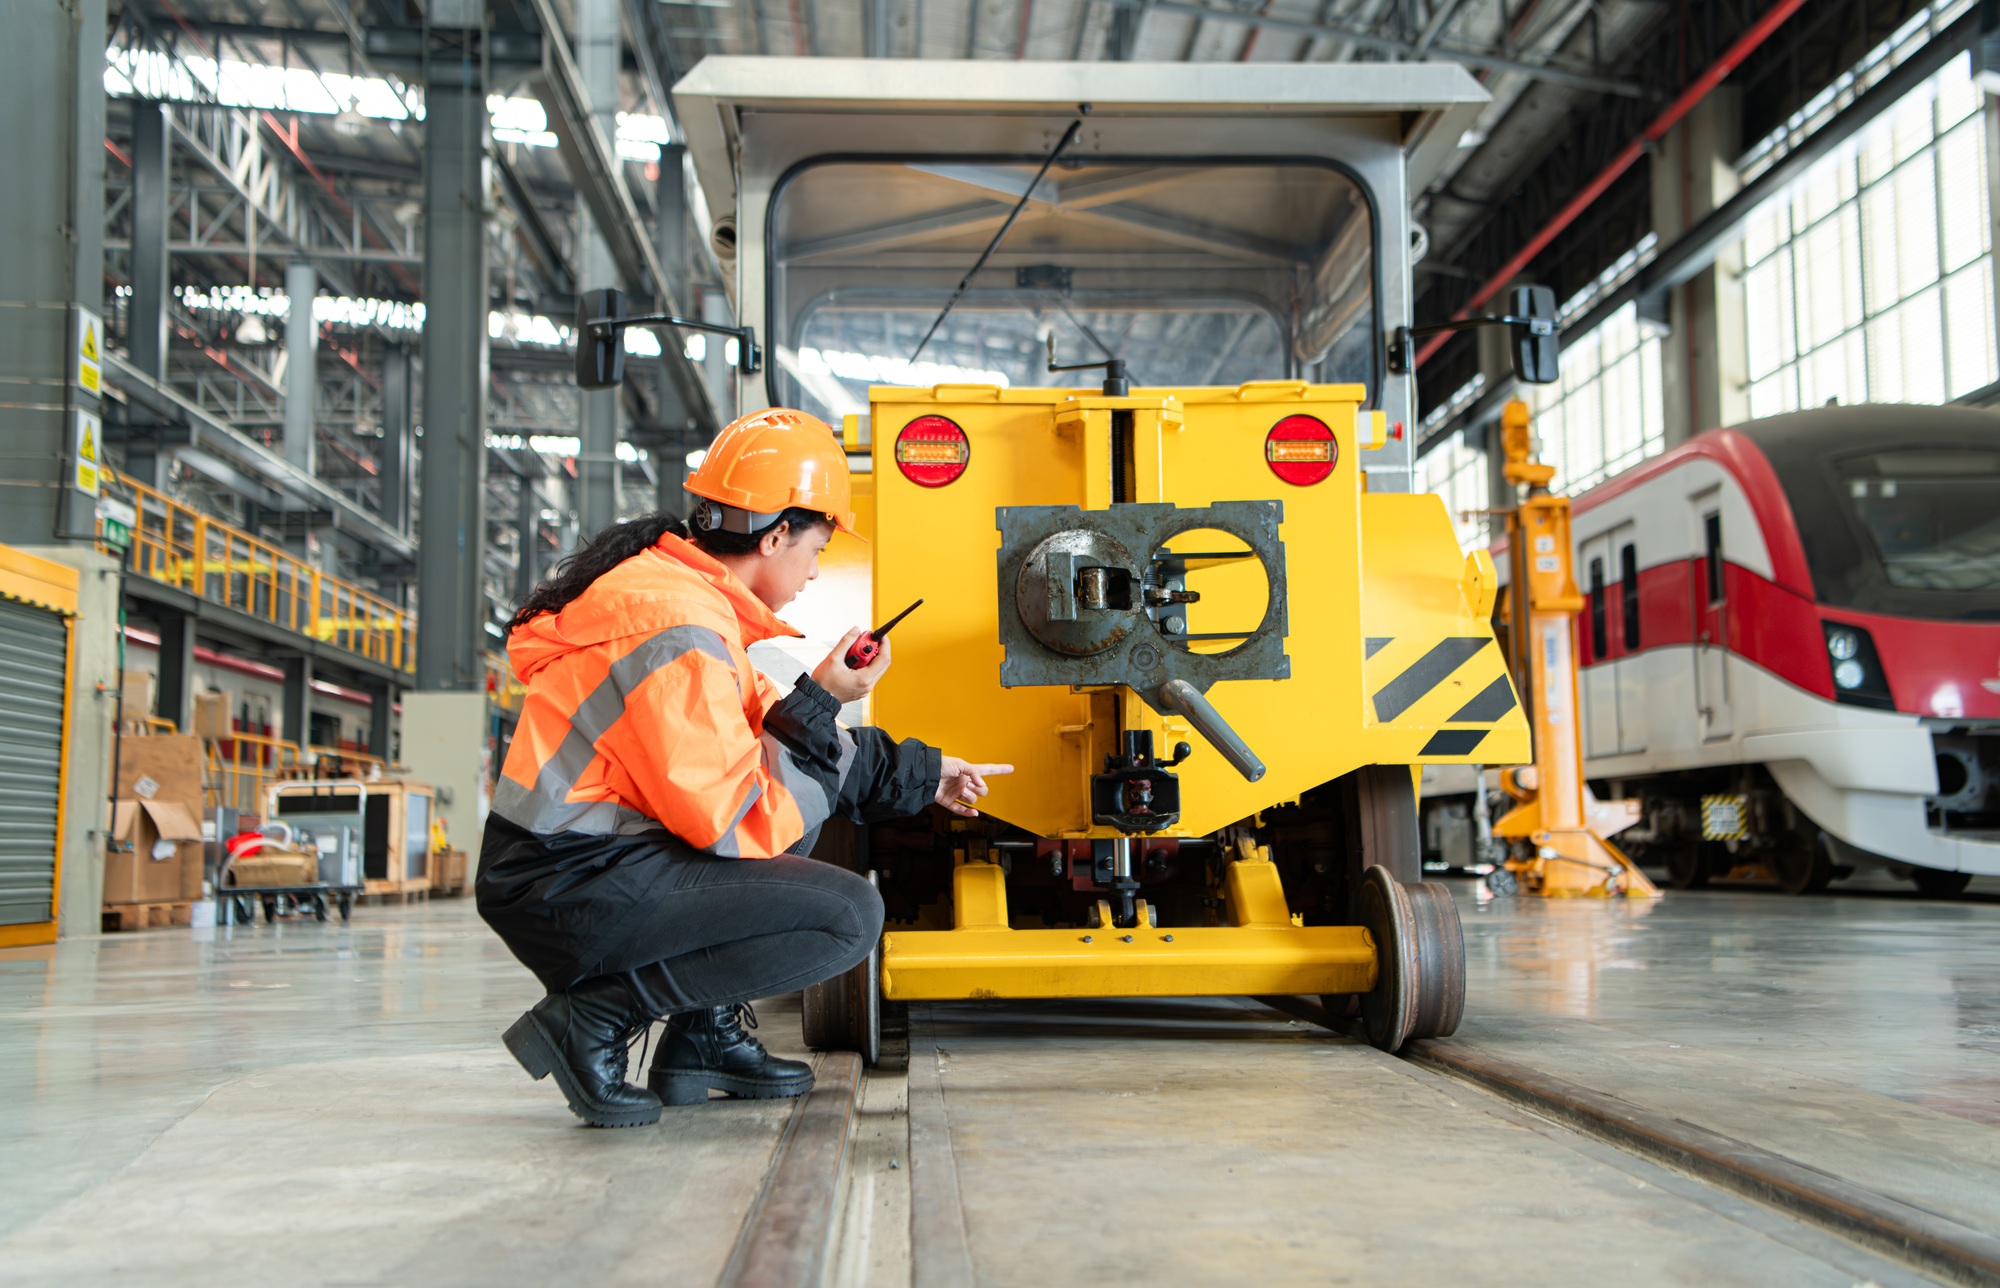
[1535,348]
[600,351]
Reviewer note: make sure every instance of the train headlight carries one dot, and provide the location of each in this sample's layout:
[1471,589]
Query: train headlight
[1858,678]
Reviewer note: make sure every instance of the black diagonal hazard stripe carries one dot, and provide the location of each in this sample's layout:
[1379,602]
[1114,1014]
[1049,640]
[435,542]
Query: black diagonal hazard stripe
[1453,742]
[1376,643]
[1494,701]
[1425,674]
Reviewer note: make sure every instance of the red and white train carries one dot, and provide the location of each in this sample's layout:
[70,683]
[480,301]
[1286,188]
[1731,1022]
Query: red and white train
[1799,620]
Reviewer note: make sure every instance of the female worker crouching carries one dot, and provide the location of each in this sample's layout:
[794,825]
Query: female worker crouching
[640,857]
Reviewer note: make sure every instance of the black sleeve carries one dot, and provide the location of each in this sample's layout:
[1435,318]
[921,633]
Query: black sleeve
[867,775]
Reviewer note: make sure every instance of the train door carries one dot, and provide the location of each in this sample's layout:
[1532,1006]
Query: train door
[1601,715]
[1708,591]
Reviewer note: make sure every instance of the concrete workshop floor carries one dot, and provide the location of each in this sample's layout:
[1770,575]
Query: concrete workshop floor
[328,1104]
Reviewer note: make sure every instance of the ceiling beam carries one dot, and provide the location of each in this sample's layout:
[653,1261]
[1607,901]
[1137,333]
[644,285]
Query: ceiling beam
[599,177]
[1362,39]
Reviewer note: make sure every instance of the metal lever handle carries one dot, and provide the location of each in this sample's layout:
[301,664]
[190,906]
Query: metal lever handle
[1188,700]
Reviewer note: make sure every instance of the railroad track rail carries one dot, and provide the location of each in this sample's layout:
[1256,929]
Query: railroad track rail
[1934,1244]
[787,1240]
[788,1235]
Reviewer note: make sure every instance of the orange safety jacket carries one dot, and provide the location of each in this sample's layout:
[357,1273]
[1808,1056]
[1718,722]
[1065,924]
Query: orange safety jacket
[648,739]
[644,713]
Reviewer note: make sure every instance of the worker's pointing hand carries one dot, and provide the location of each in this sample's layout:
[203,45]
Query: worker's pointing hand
[961,782]
[845,684]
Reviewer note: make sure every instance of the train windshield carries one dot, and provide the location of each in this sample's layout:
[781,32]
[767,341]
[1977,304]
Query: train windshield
[1193,273]
[1933,515]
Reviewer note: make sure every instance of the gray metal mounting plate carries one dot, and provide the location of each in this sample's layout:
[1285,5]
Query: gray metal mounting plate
[1125,646]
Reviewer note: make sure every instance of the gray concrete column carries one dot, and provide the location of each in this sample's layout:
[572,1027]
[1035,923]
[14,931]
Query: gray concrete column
[1704,362]
[396,438]
[452,525]
[671,466]
[671,231]
[597,63]
[295,720]
[151,281]
[174,698]
[874,29]
[52,226]
[598,429]
[301,363]
[527,537]
[381,719]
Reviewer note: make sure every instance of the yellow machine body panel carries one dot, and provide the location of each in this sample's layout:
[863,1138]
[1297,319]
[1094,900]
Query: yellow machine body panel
[1359,569]
[1260,952]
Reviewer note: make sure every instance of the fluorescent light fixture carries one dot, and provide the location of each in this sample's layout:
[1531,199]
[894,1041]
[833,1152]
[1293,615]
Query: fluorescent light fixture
[352,100]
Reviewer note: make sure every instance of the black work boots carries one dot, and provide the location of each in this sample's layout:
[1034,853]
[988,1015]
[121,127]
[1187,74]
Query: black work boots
[711,1049]
[581,1037]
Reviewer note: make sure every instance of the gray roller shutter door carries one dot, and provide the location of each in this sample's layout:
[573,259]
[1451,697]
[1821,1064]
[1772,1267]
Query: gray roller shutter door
[34,645]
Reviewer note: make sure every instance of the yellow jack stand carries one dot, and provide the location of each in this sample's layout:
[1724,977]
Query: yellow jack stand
[1571,856]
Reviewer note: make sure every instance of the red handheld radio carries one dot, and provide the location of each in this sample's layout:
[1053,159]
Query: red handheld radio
[869,647]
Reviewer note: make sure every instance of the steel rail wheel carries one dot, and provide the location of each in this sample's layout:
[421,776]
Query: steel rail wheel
[1420,960]
[1389,1010]
[1440,961]
[845,1013]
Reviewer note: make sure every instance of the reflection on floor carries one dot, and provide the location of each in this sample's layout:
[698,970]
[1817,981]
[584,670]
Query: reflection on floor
[1855,1032]
[319,1103]
[313,1103]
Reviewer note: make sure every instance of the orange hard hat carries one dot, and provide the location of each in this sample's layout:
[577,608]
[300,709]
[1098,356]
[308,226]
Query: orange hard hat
[770,460]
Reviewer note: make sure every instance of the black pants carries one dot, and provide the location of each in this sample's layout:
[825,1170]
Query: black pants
[729,930]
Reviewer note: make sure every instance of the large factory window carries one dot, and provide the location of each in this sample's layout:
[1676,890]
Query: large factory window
[1207,274]
[1870,279]
[1456,471]
[1606,413]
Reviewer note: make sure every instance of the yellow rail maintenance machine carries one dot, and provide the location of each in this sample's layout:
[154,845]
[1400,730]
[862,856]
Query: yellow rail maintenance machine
[1206,619]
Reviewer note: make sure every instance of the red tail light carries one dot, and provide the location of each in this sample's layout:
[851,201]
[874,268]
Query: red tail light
[1301,450]
[931,451]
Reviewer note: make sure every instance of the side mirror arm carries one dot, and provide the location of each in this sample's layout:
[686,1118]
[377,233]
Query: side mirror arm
[1403,341]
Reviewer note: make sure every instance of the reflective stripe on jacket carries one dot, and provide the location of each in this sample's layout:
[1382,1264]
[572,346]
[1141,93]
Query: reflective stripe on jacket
[645,715]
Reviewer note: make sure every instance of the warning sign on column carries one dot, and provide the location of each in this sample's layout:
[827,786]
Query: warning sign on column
[89,436]
[89,350]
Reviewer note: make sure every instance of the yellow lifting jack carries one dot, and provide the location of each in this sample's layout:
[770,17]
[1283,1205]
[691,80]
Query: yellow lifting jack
[1565,830]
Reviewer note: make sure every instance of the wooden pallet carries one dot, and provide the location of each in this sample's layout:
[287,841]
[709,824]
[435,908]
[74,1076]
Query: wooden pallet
[386,892]
[143,916]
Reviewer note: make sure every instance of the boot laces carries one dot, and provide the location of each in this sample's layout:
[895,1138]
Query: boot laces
[641,1037]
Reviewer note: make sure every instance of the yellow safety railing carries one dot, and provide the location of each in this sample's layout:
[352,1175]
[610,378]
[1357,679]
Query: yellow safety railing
[204,556]
[242,765]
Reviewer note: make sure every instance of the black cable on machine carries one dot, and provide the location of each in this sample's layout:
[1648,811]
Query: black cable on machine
[1069,137]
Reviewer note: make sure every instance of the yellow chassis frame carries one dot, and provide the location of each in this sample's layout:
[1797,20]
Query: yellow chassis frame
[1262,951]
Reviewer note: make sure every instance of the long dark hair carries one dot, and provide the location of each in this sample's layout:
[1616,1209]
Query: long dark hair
[619,542]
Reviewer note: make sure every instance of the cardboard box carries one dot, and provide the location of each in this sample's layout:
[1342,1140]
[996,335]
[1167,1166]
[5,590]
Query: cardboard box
[448,872]
[172,762]
[137,699]
[154,845]
[159,778]
[211,715]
